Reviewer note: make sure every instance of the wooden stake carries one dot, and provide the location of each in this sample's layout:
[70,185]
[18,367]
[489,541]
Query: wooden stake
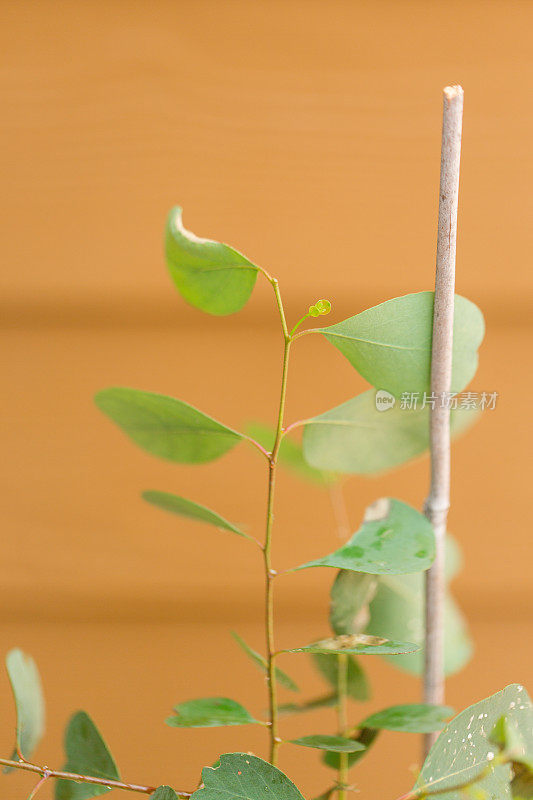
[438,501]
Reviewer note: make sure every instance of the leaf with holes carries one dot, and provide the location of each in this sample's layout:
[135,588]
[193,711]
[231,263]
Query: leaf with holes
[393,539]
[390,344]
[166,427]
[187,508]
[209,712]
[464,749]
[87,754]
[209,275]
[357,438]
[282,678]
[334,744]
[29,701]
[245,777]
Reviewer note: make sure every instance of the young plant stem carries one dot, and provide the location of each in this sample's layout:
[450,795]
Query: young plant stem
[46,774]
[438,501]
[270,574]
[342,716]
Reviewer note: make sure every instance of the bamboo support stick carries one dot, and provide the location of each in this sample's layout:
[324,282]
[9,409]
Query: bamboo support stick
[438,501]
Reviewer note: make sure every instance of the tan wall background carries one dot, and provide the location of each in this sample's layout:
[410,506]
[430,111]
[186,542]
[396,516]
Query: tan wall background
[306,134]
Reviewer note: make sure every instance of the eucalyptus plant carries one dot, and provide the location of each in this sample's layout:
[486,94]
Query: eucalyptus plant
[377,572]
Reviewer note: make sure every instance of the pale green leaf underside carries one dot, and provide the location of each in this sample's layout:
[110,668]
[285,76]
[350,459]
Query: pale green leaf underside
[29,700]
[357,685]
[209,275]
[335,744]
[357,438]
[358,644]
[390,344]
[366,737]
[166,427]
[87,754]
[462,749]
[290,454]
[187,508]
[411,718]
[209,712]
[397,611]
[245,777]
[260,661]
[393,539]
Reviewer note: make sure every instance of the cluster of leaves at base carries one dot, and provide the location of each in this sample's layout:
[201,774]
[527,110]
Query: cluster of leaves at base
[463,752]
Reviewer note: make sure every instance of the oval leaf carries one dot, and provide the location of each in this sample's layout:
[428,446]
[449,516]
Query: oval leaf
[187,508]
[87,754]
[167,427]
[351,595]
[365,737]
[357,685]
[393,539]
[282,678]
[209,712]
[358,644]
[412,718]
[335,744]
[390,344]
[463,749]
[397,610]
[209,275]
[29,701]
[246,777]
[357,438]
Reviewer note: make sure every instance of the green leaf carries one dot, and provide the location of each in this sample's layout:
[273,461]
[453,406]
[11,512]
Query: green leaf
[187,508]
[365,737]
[164,793]
[357,438]
[282,678]
[397,611]
[412,718]
[358,644]
[209,712]
[87,754]
[393,539]
[515,736]
[357,684]
[390,344]
[209,275]
[290,454]
[167,427]
[29,701]
[463,749]
[335,744]
[245,777]
[351,595]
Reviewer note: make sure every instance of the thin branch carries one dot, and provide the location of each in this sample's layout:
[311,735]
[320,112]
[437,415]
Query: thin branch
[438,501]
[73,776]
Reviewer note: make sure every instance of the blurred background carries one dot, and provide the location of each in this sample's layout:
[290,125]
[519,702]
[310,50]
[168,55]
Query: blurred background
[307,135]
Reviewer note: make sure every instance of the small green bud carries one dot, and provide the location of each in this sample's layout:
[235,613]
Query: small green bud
[314,311]
[323,306]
